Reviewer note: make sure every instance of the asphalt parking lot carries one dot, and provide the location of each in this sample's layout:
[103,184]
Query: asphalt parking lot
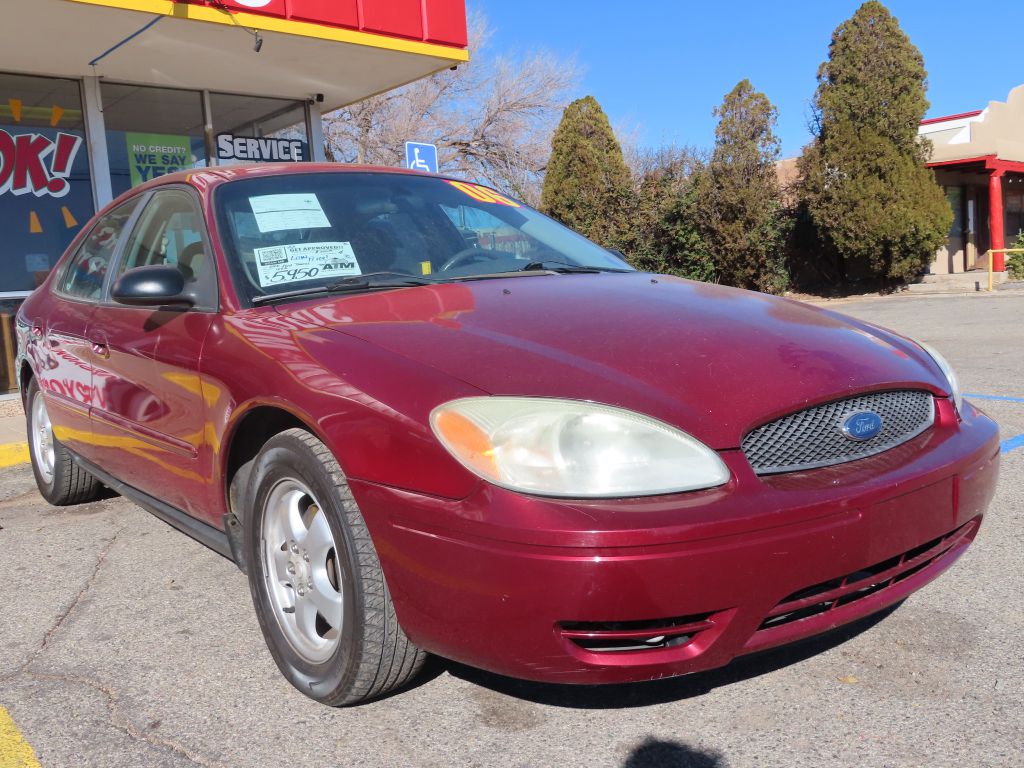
[124,643]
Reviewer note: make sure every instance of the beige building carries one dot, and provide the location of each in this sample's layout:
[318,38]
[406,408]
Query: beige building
[978,158]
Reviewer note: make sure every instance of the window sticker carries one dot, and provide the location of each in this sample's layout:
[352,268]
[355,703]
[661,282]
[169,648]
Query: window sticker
[304,261]
[483,194]
[279,212]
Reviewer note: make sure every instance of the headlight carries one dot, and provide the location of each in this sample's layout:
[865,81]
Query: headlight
[573,449]
[948,372]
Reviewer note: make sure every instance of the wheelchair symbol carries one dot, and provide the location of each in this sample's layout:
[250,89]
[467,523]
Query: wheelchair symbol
[418,163]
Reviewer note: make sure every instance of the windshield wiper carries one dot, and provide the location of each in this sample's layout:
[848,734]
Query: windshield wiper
[546,267]
[372,280]
[354,284]
[565,268]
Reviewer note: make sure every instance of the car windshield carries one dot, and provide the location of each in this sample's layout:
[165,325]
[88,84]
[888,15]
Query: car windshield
[287,233]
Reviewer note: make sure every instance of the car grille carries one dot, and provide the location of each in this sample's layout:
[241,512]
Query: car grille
[812,438]
[847,589]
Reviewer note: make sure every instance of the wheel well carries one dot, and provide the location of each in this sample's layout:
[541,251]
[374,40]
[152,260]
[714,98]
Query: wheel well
[26,377]
[257,426]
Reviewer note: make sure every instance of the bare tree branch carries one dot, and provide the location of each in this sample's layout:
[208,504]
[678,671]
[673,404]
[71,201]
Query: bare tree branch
[491,119]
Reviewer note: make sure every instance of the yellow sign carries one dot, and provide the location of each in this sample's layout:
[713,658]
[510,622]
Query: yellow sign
[483,194]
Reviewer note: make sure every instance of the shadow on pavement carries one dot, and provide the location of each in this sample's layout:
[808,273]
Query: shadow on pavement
[619,696]
[657,753]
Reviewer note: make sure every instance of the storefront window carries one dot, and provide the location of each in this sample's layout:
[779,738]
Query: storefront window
[8,345]
[241,122]
[955,198]
[1014,208]
[152,132]
[45,189]
[45,186]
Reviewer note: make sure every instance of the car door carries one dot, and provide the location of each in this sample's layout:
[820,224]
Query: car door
[149,415]
[59,351]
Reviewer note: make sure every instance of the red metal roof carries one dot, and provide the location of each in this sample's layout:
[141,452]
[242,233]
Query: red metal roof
[932,120]
[432,21]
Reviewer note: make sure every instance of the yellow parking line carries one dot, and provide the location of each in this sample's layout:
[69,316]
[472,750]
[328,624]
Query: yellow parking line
[15,752]
[11,454]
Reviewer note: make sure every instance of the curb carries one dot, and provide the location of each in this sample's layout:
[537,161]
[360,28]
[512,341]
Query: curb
[12,454]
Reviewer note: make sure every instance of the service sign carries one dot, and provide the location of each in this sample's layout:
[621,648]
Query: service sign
[252,150]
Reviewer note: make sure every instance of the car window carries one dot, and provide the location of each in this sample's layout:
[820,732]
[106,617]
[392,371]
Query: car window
[170,232]
[480,229]
[298,231]
[87,271]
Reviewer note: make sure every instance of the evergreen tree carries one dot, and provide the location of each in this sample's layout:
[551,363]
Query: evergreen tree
[587,185]
[663,235]
[873,202]
[738,205]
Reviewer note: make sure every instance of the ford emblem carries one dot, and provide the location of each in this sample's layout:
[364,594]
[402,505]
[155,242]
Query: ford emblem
[862,425]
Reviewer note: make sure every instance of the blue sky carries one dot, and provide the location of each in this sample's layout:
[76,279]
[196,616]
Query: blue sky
[661,66]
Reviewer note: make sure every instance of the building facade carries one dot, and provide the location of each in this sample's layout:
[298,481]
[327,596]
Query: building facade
[978,158]
[97,96]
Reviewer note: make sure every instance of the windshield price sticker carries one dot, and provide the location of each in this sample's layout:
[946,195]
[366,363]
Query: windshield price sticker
[483,194]
[305,261]
[275,213]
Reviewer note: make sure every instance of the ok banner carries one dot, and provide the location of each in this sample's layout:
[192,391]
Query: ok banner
[31,162]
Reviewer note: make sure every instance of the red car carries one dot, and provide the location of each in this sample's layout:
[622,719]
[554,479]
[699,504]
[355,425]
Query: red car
[427,419]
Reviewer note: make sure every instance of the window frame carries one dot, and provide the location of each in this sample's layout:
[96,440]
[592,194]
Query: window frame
[61,276]
[204,234]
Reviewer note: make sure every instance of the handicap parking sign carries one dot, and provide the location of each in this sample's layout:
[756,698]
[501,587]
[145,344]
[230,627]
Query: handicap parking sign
[420,157]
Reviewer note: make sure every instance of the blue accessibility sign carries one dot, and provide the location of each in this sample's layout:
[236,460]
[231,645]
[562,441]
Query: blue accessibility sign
[420,157]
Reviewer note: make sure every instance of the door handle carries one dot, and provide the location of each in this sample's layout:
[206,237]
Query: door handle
[100,349]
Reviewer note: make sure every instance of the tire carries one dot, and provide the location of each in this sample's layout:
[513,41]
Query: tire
[59,479]
[316,580]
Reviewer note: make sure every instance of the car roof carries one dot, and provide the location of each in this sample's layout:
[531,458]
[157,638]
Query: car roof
[206,179]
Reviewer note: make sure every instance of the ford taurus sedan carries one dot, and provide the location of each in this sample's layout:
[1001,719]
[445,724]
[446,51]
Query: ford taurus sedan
[425,418]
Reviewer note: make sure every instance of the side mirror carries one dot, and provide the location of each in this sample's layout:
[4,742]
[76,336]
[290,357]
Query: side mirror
[158,285]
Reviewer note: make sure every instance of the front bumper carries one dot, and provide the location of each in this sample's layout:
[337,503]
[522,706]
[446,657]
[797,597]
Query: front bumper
[615,591]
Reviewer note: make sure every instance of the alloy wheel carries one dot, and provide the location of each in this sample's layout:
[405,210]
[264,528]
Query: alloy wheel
[42,439]
[300,570]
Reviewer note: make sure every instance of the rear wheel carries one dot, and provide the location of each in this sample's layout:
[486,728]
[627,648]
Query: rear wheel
[59,479]
[316,581]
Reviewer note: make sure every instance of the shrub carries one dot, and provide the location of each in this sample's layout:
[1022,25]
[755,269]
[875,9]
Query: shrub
[1015,261]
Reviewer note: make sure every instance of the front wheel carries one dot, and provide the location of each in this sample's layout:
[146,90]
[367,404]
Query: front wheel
[316,580]
[59,479]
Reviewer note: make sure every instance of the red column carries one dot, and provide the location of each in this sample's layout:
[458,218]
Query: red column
[995,219]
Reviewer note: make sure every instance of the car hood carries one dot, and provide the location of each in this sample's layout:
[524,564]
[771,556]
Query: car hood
[714,361]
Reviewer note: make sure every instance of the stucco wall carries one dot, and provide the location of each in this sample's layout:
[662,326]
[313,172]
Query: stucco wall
[998,130]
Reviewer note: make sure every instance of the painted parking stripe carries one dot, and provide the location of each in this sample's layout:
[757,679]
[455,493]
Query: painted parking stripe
[1011,444]
[11,454]
[15,752]
[995,397]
